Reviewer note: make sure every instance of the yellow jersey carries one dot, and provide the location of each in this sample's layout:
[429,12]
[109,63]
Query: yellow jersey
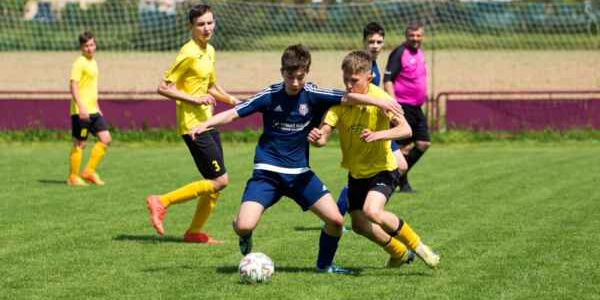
[193,73]
[85,72]
[362,159]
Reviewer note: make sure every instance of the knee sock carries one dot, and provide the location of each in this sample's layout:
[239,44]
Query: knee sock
[407,236]
[413,156]
[75,160]
[204,209]
[395,248]
[98,152]
[187,192]
[327,247]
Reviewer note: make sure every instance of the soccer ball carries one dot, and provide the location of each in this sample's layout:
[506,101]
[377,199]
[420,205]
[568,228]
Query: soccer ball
[256,268]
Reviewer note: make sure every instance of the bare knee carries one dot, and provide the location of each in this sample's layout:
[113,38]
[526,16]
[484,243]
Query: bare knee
[423,145]
[78,143]
[242,227]
[373,214]
[221,182]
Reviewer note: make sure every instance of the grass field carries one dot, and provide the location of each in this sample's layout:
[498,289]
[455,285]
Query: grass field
[512,221]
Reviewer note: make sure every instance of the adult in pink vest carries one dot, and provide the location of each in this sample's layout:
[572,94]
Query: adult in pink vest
[405,78]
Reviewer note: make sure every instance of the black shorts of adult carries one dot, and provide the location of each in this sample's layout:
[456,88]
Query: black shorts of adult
[383,182]
[207,152]
[80,129]
[418,124]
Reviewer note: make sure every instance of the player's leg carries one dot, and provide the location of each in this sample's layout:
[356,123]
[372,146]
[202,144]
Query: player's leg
[209,162]
[207,202]
[342,204]
[310,193]
[262,191]
[400,159]
[380,191]
[98,127]
[422,140]
[399,254]
[79,131]
[367,199]
[245,223]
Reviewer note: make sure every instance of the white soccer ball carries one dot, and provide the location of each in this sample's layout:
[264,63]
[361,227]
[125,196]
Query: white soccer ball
[256,268]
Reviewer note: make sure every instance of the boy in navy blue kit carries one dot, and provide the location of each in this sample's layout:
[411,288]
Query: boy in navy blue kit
[281,166]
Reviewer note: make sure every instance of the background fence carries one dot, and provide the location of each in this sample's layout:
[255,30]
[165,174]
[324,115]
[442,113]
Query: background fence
[130,25]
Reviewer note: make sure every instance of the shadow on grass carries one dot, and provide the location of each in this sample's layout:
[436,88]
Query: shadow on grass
[286,269]
[169,268]
[51,181]
[305,228]
[147,238]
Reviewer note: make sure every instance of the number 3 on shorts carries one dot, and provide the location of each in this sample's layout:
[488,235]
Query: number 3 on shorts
[216,165]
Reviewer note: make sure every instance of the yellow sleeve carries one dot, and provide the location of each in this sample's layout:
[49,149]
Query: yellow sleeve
[333,116]
[77,71]
[213,75]
[179,68]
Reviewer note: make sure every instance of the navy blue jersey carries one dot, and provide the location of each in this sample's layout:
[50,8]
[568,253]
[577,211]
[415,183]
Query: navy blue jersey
[376,75]
[287,120]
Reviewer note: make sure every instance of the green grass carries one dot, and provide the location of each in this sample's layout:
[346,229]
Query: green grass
[511,221]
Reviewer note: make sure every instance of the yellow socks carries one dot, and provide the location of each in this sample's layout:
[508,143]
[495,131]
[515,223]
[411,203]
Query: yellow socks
[204,208]
[97,154]
[406,235]
[75,160]
[395,248]
[188,192]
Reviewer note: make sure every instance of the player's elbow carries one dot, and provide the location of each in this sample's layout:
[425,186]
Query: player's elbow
[162,89]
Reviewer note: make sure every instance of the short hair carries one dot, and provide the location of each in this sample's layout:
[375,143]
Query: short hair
[295,57]
[373,28]
[357,61]
[414,26]
[197,11]
[85,37]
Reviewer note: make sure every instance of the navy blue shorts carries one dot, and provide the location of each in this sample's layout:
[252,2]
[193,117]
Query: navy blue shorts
[267,187]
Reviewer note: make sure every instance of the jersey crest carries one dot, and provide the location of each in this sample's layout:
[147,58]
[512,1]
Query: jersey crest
[303,109]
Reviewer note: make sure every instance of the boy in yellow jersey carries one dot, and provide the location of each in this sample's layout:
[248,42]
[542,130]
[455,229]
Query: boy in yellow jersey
[365,136]
[86,116]
[191,82]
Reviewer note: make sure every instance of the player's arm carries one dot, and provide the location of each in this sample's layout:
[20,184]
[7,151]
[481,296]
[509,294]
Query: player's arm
[169,90]
[219,119]
[222,96]
[74,89]
[364,99]
[318,137]
[399,130]
[392,69]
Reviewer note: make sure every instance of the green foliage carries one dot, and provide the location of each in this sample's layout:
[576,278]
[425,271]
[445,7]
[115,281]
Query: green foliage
[544,136]
[251,136]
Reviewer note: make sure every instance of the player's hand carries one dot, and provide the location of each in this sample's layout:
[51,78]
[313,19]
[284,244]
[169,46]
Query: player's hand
[369,136]
[314,135]
[84,116]
[206,100]
[198,129]
[393,107]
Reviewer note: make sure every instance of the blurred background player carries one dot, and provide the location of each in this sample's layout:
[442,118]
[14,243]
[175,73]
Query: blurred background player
[281,163]
[365,136]
[191,82]
[405,78]
[86,116]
